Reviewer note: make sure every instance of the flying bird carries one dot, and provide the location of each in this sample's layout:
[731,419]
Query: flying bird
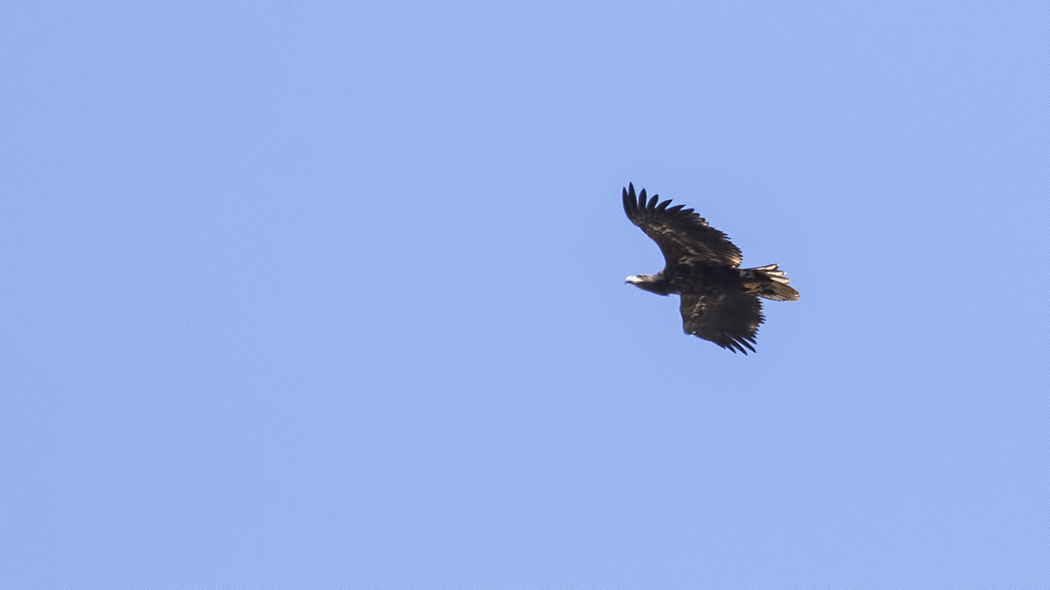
[720,301]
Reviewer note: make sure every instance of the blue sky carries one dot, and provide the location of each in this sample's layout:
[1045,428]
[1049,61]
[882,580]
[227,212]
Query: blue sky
[303,294]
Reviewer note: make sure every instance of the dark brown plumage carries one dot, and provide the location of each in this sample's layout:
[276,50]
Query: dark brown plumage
[720,301]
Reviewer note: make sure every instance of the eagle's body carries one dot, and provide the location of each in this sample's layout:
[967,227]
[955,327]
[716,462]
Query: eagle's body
[720,301]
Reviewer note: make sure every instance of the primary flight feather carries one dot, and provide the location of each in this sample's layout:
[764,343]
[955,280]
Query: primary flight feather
[720,301]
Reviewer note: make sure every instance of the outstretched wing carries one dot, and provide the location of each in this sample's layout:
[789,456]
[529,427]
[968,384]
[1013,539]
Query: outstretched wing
[727,318]
[683,236]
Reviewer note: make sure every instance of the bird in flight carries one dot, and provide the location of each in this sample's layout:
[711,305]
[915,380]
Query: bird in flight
[720,300]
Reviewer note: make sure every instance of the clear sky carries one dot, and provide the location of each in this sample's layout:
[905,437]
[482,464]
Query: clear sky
[303,294]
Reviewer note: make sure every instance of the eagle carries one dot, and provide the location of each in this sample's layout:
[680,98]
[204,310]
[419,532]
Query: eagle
[720,300]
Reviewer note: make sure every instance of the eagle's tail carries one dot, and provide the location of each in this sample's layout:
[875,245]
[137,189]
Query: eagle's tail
[768,282]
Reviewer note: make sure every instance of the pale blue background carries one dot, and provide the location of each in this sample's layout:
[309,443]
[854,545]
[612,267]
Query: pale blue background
[303,294]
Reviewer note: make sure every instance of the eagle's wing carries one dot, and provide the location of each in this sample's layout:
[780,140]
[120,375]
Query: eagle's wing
[683,236]
[727,318]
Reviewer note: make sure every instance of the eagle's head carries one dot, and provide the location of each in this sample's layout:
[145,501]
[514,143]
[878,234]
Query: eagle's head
[653,283]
